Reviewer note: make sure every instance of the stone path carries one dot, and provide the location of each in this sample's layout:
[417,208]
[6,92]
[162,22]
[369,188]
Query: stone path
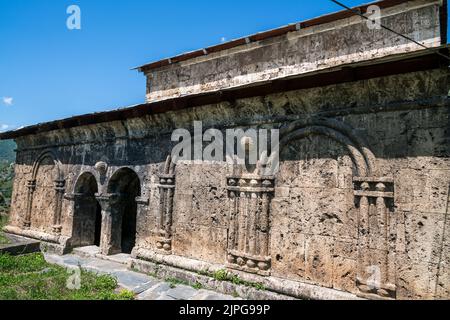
[18,245]
[144,286]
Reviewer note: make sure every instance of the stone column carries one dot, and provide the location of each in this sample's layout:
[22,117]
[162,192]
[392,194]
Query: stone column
[110,240]
[142,210]
[59,196]
[31,186]
[264,225]
[71,199]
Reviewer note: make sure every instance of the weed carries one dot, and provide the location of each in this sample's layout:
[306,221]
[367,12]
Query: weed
[224,275]
[197,286]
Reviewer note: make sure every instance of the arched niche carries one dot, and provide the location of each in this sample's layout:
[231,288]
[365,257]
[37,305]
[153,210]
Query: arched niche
[362,158]
[45,194]
[329,207]
[123,187]
[87,218]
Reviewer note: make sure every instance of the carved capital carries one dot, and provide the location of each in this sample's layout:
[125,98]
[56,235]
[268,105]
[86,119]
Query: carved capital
[101,167]
[375,199]
[60,186]
[107,200]
[73,196]
[166,181]
[251,183]
[31,185]
[142,201]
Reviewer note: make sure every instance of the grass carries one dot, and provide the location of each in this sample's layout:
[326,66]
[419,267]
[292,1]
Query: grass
[30,277]
[224,275]
[197,286]
[154,273]
[3,239]
[173,282]
[219,275]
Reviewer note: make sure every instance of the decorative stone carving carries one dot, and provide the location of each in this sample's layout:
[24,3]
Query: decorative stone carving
[101,167]
[249,223]
[59,188]
[59,195]
[165,210]
[360,153]
[377,236]
[31,187]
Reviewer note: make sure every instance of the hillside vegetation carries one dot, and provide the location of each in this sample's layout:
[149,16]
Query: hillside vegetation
[7,153]
[7,158]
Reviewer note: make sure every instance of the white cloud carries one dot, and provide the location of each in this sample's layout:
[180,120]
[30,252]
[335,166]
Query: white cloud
[8,101]
[3,127]
[223,39]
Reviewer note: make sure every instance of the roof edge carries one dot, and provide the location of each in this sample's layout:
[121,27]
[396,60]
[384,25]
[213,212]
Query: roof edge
[343,14]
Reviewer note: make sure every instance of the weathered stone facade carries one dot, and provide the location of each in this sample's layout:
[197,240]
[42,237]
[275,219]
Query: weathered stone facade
[363,185]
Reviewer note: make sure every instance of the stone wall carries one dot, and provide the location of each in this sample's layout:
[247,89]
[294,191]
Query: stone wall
[308,50]
[336,215]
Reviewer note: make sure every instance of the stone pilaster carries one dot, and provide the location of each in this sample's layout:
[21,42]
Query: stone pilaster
[166,192]
[377,236]
[249,223]
[59,196]
[142,210]
[31,187]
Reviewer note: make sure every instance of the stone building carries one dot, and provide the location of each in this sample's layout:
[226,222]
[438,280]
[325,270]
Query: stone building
[358,208]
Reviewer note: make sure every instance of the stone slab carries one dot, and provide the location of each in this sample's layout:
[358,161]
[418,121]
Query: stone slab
[182,292]
[19,245]
[144,286]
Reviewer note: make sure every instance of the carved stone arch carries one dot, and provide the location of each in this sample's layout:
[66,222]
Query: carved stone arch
[79,183]
[237,169]
[357,158]
[374,197]
[113,183]
[238,166]
[41,157]
[59,188]
[120,210]
[170,165]
[362,157]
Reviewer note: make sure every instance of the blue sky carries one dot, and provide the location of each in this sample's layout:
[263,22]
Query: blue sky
[49,72]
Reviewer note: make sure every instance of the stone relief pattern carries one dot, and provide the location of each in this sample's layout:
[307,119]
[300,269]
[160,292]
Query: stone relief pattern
[45,191]
[249,223]
[165,207]
[314,229]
